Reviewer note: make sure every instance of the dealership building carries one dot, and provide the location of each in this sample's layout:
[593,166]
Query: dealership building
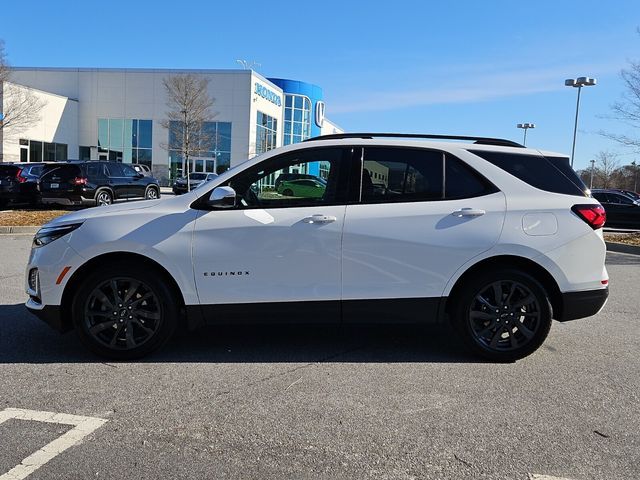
[121,115]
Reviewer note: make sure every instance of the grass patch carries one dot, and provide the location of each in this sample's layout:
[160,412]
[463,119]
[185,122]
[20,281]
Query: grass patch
[628,238]
[25,218]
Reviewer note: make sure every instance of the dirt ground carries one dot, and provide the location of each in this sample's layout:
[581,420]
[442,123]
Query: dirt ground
[22,218]
[629,239]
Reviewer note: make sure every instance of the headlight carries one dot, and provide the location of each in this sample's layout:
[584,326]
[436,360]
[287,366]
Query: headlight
[47,235]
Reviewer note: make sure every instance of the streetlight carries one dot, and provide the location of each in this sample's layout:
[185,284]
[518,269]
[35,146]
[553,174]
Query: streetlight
[185,153]
[525,127]
[593,166]
[578,83]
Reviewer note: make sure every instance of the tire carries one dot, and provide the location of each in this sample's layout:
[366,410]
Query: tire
[129,321]
[489,313]
[288,192]
[151,194]
[104,198]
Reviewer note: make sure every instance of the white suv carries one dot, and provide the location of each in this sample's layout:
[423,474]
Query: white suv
[496,238]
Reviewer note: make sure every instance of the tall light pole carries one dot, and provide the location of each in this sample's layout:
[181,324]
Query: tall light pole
[578,83]
[593,166]
[525,127]
[185,153]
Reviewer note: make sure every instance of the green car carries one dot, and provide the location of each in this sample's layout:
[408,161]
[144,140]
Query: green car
[305,188]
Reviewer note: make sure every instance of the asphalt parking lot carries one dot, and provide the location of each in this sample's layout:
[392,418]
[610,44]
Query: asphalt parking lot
[317,402]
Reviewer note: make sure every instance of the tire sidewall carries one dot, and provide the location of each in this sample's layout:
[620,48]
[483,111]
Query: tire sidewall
[149,189]
[154,280]
[462,303]
[100,192]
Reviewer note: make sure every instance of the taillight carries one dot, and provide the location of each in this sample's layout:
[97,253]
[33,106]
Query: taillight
[594,215]
[79,181]
[19,176]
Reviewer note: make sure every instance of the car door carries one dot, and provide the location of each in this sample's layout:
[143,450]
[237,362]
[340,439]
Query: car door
[136,185]
[624,212]
[422,215]
[272,251]
[116,180]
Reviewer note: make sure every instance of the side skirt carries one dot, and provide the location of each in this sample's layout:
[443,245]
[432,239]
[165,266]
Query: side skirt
[397,310]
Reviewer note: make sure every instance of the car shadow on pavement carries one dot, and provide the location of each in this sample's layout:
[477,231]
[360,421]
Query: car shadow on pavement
[25,339]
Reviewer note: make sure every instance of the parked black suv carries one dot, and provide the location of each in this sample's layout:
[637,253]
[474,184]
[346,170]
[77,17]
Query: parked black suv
[18,183]
[622,210]
[94,183]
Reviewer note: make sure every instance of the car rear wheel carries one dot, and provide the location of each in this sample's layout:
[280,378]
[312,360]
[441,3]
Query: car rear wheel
[124,312]
[503,315]
[151,193]
[103,198]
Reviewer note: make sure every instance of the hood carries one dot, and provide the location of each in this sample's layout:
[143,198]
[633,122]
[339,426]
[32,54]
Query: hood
[93,212]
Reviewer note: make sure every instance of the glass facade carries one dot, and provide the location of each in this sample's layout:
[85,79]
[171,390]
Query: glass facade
[36,151]
[125,140]
[266,133]
[213,150]
[297,118]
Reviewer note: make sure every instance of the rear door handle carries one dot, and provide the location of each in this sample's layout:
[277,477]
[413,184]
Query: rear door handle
[319,219]
[468,212]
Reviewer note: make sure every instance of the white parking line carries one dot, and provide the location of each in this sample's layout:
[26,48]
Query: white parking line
[83,426]
[535,476]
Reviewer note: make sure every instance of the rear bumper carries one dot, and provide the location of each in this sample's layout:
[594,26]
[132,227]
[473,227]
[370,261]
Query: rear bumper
[582,304]
[71,199]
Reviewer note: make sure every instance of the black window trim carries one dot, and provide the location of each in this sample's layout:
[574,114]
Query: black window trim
[491,188]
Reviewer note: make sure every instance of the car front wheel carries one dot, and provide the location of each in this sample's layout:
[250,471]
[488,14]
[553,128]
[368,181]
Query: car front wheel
[151,193]
[503,315]
[123,312]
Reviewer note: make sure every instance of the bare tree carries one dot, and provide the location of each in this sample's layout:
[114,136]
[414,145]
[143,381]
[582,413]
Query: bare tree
[20,107]
[627,110]
[607,165]
[189,106]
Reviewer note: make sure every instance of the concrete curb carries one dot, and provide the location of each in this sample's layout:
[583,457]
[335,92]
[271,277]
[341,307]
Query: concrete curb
[16,229]
[623,248]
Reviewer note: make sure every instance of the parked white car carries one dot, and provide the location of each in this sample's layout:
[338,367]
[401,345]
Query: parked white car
[496,238]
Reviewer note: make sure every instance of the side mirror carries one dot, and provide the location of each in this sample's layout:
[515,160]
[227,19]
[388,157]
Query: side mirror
[222,197]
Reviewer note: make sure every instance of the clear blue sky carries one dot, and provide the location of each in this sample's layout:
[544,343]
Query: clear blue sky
[458,67]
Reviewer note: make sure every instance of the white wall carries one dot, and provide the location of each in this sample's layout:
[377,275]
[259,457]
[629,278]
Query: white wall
[58,123]
[140,93]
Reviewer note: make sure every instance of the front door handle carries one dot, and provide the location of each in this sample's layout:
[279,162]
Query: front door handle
[319,219]
[468,212]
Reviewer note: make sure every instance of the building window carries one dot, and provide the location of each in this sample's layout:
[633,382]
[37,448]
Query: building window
[266,133]
[213,152]
[125,140]
[36,151]
[297,118]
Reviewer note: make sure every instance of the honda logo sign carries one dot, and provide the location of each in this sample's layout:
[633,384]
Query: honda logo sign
[320,114]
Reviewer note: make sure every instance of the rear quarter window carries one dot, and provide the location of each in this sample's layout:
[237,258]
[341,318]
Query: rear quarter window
[550,174]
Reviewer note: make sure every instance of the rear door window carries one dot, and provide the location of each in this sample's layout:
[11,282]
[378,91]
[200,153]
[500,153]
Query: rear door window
[402,175]
[114,170]
[410,175]
[550,174]
[95,170]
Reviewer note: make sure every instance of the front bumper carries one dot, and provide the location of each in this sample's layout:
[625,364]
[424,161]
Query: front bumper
[582,304]
[49,314]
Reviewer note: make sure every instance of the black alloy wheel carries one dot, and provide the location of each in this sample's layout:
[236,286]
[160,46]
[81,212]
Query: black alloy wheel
[504,316]
[124,311]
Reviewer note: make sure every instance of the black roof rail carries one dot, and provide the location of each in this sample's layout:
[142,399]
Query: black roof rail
[478,140]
